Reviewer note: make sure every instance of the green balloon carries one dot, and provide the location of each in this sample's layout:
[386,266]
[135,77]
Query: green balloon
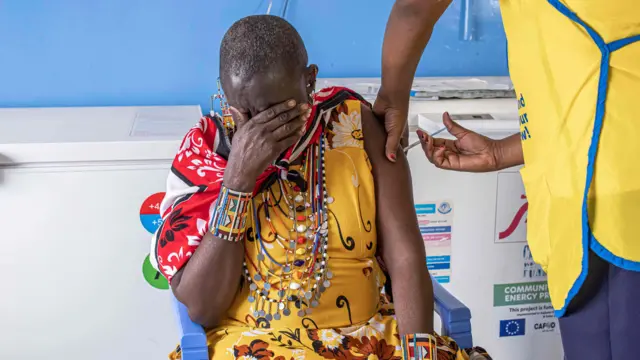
[153,276]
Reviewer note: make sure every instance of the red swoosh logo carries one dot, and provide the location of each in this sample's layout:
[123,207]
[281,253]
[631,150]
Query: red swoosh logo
[516,220]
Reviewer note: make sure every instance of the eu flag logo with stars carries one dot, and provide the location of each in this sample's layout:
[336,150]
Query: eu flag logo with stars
[513,327]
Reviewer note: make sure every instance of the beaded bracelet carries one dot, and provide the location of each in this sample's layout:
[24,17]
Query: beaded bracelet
[230,215]
[419,347]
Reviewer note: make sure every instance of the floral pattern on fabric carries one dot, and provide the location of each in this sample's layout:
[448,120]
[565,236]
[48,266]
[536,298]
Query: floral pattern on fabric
[316,344]
[257,349]
[330,344]
[371,347]
[347,131]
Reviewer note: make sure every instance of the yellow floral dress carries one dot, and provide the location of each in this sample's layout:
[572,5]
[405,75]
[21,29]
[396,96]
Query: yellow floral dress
[352,319]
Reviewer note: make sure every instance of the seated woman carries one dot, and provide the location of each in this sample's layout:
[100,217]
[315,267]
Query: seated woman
[272,222]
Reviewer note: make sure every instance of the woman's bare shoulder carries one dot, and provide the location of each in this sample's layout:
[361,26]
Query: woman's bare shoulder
[374,135]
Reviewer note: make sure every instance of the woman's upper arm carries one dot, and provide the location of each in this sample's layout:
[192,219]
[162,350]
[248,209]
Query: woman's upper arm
[396,217]
[185,209]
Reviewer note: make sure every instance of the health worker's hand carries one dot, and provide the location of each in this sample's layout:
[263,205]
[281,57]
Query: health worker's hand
[470,151]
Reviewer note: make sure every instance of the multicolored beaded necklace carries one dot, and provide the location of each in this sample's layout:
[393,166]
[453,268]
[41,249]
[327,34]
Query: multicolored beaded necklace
[276,288]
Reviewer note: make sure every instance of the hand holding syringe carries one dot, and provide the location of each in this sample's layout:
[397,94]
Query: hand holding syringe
[468,150]
[416,143]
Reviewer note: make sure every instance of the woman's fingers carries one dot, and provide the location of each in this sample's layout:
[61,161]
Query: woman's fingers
[430,148]
[453,127]
[424,142]
[288,119]
[269,114]
[444,143]
[433,148]
[442,158]
[288,141]
[439,151]
[291,128]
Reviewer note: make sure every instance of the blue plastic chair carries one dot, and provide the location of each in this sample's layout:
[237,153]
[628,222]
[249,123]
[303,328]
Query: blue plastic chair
[456,323]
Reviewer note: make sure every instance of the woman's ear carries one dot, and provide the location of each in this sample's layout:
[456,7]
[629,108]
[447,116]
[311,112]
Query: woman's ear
[312,75]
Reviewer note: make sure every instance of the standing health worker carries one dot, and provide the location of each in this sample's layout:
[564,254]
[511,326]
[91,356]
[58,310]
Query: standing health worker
[575,65]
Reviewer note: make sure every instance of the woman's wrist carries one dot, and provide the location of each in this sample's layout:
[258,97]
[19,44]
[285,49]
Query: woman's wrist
[239,185]
[395,91]
[238,180]
[238,175]
[508,152]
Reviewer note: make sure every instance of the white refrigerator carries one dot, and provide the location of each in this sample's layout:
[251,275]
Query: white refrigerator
[75,219]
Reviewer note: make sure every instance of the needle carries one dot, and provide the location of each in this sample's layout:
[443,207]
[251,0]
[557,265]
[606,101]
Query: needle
[418,142]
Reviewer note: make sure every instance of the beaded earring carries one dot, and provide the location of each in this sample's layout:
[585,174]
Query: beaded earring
[311,87]
[227,120]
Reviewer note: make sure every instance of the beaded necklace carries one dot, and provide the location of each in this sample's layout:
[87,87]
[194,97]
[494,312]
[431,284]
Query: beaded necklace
[299,281]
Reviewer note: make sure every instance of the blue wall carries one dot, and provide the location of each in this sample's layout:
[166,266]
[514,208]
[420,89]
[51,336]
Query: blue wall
[162,52]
